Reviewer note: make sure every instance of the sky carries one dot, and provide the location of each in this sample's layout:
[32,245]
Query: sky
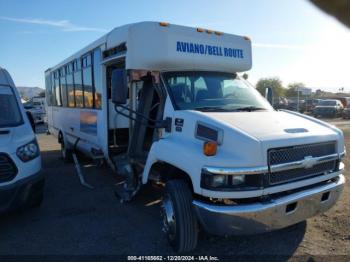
[292,39]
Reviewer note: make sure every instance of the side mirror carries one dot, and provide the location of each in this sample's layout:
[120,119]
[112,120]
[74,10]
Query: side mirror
[31,120]
[269,95]
[119,87]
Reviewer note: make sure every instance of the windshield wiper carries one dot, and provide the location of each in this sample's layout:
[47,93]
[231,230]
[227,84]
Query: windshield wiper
[211,109]
[250,108]
[220,109]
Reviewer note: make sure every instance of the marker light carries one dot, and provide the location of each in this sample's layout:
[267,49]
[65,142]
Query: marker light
[218,33]
[163,24]
[246,38]
[209,31]
[200,30]
[210,148]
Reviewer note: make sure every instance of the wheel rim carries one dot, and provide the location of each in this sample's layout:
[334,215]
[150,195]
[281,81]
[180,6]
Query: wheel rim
[168,215]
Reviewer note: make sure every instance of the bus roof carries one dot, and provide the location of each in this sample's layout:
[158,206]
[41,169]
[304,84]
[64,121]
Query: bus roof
[167,47]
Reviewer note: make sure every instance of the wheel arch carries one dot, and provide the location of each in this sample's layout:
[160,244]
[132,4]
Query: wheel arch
[60,138]
[166,171]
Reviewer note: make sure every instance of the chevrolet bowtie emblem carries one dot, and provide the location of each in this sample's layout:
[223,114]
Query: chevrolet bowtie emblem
[309,162]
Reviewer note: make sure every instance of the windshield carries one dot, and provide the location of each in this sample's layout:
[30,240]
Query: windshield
[328,103]
[209,91]
[10,113]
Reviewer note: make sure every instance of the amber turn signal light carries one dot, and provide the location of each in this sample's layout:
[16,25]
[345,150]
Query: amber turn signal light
[210,148]
[163,24]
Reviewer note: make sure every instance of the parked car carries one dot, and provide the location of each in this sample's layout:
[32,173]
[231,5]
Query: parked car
[344,101]
[37,108]
[346,112]
[293,105]
[280,103]
[21,180]
[328,108]
[310,104]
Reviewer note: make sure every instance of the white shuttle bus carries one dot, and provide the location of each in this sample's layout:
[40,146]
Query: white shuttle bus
[162,102]
[21,179]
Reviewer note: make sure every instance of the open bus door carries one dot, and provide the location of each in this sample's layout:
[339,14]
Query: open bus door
[147,118]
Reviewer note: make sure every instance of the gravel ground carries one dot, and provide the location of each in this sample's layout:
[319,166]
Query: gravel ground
[75,220]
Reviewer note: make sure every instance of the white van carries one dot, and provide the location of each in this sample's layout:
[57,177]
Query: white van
[37,107]
[21,180]
[165,103]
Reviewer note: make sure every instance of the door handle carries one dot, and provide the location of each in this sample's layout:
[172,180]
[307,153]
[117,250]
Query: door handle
[72,129]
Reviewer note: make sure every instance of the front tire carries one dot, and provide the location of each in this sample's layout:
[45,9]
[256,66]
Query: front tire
[179,218]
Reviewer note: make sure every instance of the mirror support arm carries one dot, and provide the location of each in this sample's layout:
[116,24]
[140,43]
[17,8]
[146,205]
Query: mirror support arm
[166,123]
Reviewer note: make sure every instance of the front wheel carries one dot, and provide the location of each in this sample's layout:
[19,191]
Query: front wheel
[179,219]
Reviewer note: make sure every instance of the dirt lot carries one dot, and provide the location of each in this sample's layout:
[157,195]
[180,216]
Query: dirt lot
[77,220]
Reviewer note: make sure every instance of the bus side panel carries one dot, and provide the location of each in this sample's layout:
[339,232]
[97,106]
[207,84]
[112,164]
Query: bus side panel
[50,120]
[83,124]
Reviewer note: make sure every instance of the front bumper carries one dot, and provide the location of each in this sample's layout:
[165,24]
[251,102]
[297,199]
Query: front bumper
[280,212]
[15,195]
[325,112]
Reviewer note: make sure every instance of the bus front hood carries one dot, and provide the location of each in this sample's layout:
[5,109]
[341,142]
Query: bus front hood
[270,127]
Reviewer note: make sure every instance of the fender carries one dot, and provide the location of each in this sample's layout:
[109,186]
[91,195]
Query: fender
[176,157]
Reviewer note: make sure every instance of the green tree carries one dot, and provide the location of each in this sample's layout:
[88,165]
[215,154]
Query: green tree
[275,83]
[292,89]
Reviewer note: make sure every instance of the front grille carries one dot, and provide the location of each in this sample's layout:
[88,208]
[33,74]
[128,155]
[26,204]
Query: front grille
[8,169]
[301,173]
[296,153]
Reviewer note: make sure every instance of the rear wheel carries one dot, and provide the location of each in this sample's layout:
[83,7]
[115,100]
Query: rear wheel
[66,154]
[179,219]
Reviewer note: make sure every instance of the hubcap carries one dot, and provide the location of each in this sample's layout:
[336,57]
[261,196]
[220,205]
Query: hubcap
[168,214]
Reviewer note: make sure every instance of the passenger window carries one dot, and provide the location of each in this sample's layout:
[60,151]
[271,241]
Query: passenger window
[87,82]
[57,89]
[70,85]
[78,84]
[48,88]
[53,97]
[63,86]
[97,77]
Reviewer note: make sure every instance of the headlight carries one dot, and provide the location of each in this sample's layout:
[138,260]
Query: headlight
[218,181]
[238,180]
[211,181]
[28,151]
